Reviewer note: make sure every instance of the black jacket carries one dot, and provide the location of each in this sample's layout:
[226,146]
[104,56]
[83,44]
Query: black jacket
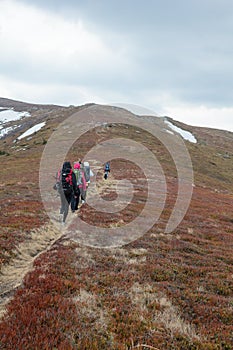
[65,166]
[74,182]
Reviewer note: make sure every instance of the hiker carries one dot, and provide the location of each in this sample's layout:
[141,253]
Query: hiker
[106,170]
[78,175]
[83,185]
[67,189]
[81,181]
[87,171]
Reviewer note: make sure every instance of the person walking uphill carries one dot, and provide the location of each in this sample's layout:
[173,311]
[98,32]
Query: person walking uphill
[83,186]
[78,176]
[81,181]
[106,170]
[68,189]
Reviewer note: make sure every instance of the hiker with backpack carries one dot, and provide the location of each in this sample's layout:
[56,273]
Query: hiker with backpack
[106,170]
[67,187]
[88,173]
[81,180]
[78,176]
[83,185]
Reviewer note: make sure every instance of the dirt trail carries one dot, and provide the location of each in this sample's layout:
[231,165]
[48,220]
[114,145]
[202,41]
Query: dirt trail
[12,275]
[42,239]
[39,241]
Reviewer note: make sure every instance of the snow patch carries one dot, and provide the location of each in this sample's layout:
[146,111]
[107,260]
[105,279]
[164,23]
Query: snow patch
[185,134]
[169,131]
[5,131]
[32,130]
[10,115]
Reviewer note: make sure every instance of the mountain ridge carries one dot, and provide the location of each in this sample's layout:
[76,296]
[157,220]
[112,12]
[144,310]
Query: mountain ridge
[21,105]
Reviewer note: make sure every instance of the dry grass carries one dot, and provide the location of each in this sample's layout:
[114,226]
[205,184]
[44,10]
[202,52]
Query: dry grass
[163,291]
[12,274]
[167,314]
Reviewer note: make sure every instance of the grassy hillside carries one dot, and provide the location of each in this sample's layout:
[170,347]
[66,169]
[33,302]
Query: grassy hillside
[162,291]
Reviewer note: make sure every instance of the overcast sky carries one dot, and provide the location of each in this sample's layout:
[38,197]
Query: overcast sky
[174,57]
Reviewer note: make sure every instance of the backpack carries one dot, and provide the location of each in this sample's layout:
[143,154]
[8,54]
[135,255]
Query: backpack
[66,180]
[78,176]
[107,167]
[87,171]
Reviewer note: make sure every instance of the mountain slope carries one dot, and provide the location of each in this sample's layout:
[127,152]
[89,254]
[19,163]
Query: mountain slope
[164,291]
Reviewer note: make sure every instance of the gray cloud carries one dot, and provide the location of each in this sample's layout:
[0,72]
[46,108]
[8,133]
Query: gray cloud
[180,49]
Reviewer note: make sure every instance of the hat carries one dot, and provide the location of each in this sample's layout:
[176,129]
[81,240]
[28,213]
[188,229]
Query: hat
[76,166]
[67,165]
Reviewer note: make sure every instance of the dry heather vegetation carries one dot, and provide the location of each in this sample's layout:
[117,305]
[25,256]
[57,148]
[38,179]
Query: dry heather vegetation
[163,291]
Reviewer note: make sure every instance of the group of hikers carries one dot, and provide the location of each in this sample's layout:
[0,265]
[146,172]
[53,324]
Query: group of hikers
[72,185]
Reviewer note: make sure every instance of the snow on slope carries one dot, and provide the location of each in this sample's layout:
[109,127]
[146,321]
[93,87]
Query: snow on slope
[5,131]
[9,115]
[185,134]
[32,130]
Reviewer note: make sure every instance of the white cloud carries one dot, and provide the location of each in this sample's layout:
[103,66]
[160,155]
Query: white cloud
[175,61]
[49,93]
[49,42]
[34,32]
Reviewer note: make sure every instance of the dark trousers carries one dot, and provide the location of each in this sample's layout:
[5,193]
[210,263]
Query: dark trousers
[67,199]
[106,174]
[77,196]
